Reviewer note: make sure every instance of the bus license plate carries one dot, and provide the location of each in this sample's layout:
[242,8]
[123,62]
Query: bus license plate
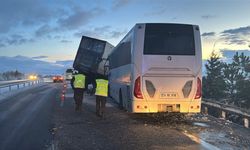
[168,95]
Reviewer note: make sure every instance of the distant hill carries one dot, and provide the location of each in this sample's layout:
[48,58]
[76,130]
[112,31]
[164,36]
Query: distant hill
[29,65]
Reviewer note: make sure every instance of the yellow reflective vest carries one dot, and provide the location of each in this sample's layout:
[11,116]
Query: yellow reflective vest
[101,87]
[79,81]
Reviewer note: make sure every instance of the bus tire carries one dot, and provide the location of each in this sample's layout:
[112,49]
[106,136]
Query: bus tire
[120,100]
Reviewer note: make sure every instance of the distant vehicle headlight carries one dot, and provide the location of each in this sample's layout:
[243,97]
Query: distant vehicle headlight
[32,77]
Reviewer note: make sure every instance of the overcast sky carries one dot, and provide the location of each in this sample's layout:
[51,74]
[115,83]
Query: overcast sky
[52,29]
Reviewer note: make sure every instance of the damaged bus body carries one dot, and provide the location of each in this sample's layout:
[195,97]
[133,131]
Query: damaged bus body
[92,55]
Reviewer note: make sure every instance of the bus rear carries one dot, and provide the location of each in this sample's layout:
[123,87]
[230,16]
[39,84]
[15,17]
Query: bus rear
[169,79]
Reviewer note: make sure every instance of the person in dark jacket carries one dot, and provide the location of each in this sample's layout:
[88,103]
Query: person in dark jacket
[78,83]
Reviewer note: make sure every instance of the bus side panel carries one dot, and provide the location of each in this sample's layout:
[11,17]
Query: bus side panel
[120,81]
[120,71]
[137,55]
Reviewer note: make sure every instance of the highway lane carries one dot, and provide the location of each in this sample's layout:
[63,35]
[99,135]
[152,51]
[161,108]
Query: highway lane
[26,118]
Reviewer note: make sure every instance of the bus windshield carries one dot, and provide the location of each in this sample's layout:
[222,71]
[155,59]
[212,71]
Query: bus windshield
[169,39]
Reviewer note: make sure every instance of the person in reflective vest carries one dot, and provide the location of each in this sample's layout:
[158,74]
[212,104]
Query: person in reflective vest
[101,93]
[78,85]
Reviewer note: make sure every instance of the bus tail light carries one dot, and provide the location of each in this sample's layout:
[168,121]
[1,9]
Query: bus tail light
[198,92]
[137,88]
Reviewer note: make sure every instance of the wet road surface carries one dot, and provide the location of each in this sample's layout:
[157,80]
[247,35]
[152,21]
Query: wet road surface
[39,119]
[26,118]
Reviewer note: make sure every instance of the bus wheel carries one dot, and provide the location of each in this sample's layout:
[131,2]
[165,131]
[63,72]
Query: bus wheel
[120,100]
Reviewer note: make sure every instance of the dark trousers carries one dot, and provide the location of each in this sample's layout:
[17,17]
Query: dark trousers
[78,96]
[100,105]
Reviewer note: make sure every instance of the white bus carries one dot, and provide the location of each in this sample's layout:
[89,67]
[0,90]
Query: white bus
[156,67]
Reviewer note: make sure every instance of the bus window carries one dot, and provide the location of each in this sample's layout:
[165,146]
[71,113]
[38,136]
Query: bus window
[162,39]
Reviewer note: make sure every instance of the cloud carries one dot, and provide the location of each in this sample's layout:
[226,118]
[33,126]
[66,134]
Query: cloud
[30,13]
[43,19]
[78,18]
[44,30]
[105,32]
[2,45]
[102,29]
[14,39]
[156,12]
[234,40]
[238,36]
[120,3]
[65,41]
[208,34]
[73,21]
[238,31]
[57,37]
[17,39]
[117,34]
[208,16]
[25,13]
[39,57]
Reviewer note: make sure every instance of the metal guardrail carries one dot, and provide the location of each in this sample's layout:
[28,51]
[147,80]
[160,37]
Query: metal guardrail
[231,108]
[235,114]
[7,86]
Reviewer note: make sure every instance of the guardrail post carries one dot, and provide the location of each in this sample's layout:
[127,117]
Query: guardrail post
[223,114]
[10,88]
[246,122]
[17,86]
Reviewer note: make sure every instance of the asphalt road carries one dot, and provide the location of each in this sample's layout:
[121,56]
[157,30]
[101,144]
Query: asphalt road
[38,119]
[26,118]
